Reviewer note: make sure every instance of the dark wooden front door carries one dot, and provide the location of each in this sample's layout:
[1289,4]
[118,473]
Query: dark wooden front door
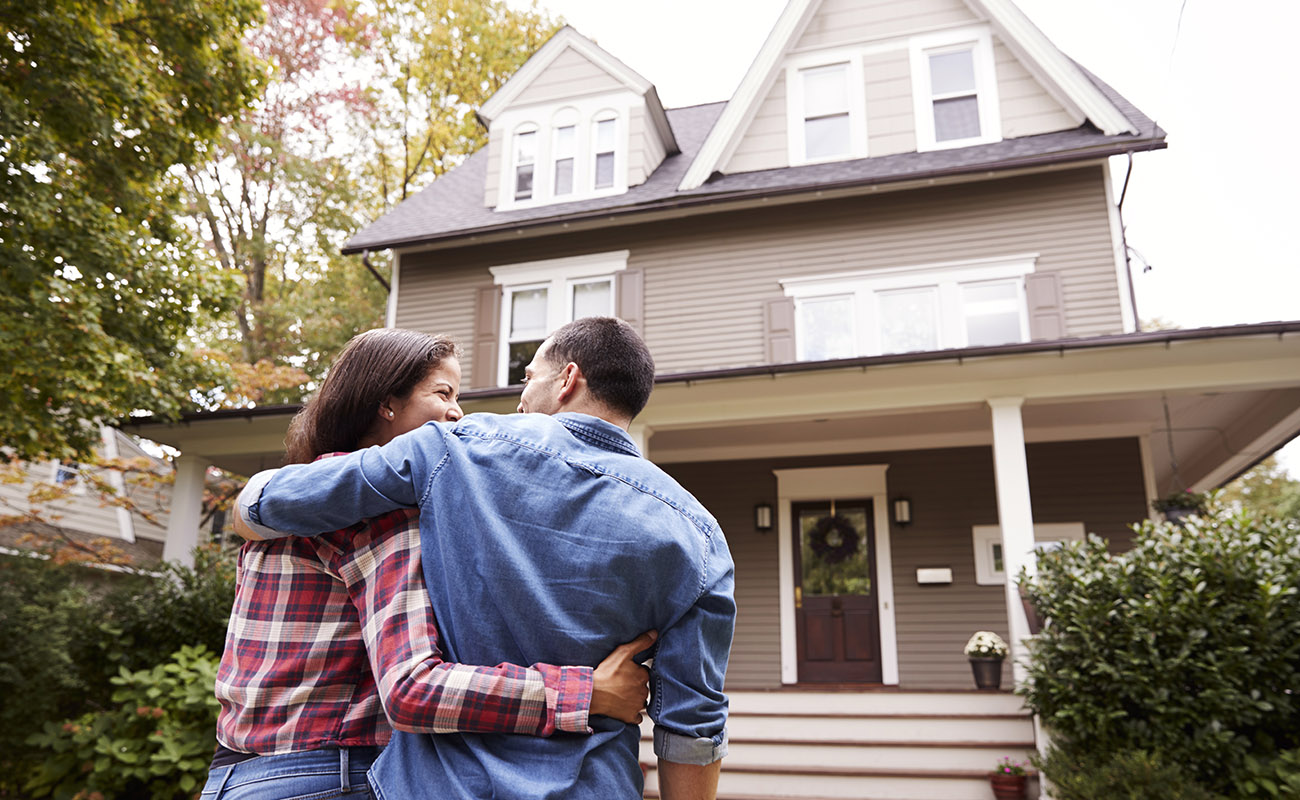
[836,615]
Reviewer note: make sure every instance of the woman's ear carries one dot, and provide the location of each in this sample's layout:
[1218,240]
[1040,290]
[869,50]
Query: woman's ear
[386,413]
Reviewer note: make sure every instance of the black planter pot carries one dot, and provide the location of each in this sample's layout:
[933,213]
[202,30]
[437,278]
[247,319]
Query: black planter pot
[987,671]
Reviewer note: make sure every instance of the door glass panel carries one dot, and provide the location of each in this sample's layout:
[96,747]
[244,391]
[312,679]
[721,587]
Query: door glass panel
[833,551]
[909,320]
[826,328]
[591,299]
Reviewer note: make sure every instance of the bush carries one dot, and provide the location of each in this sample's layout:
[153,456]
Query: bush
[1187,646]
[62,643]
[156,741]
[1275,778]
[1131,775]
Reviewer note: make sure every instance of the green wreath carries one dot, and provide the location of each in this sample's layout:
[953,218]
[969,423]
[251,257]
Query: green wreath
[833,539]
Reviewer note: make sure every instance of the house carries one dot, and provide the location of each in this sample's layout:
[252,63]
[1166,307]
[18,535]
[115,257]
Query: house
[886,288]
[81,504]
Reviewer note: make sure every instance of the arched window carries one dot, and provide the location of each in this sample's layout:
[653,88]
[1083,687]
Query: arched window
[564,148]
[525,160]
[604,138]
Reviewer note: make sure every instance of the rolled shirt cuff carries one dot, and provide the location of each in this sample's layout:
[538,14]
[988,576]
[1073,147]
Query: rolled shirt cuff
[249,501]
[689,749]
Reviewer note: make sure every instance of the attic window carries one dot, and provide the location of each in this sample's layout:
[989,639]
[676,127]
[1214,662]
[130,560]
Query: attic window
[603,135]
[525,158]
[826,111]
[953,95]
[955,89]
[563,149]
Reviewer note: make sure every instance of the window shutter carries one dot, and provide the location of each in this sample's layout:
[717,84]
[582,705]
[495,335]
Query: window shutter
[629,298]
[778,330]
[487,330]
[1046,311]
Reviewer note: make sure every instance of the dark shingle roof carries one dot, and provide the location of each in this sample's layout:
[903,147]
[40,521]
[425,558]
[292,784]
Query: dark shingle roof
[452,206]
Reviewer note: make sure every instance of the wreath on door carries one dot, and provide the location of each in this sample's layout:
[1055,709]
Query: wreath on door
[833,539]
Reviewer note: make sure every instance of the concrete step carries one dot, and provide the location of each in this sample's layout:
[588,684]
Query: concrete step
[876,702]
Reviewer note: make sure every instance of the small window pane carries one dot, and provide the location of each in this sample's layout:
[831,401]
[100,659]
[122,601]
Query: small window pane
[956,118]
[521,355]
[592,299]
[995,292]
[952,73]
[826,328]
[826,137]
[564,141]
[908,320]
[524,182]
[826,90]
[991,329]
[525,147]
[527,314]
[992,311]
[605,135]
[604,170]
[564,176]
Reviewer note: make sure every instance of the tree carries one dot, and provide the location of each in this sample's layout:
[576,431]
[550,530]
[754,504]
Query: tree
[98,285]
[1266,488]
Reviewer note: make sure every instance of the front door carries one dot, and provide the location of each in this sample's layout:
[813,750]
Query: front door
[836,615]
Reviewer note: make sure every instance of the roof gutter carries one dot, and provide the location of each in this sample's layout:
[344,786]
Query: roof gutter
[697,199]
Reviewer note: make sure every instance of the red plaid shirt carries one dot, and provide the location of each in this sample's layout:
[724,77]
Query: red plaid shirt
[329,633]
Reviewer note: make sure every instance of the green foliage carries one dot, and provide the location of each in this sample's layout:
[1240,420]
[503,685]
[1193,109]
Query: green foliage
[98,286]
[1266,488]
[1126,775]
[62,644]
[155,741]
[1272,778]
[1187,646]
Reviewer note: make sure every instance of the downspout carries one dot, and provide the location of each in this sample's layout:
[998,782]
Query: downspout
[365,258]
[1123,240]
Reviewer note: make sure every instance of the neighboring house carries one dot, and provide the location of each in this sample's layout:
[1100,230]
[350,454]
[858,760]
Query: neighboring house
[885,283]
[80,509]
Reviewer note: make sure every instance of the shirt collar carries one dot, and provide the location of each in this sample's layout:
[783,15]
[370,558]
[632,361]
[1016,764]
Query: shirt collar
[598,432]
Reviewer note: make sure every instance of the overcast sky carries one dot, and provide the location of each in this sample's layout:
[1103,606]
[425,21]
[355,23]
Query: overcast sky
[1214,216]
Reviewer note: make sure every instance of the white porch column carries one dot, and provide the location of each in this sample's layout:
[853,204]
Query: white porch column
[187,507]
[640,434]
[1015,516]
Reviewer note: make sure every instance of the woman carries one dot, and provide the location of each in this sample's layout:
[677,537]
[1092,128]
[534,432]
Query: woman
[332,638]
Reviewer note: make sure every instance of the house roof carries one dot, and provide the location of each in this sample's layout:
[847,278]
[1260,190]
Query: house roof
[452,207]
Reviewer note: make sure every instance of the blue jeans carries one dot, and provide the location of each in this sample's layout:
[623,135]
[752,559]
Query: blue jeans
[309,775]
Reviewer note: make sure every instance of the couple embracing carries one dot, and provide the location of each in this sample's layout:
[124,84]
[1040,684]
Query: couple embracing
[542,538]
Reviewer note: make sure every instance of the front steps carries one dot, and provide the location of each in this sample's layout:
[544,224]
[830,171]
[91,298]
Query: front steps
[870,745]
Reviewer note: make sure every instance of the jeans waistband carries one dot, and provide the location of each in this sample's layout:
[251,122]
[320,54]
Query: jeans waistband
[346,762]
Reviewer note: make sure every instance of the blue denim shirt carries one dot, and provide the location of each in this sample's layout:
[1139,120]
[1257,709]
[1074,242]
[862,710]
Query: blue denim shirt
[544,539]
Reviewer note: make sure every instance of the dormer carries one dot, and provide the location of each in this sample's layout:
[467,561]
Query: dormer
[573,123]
[841,80]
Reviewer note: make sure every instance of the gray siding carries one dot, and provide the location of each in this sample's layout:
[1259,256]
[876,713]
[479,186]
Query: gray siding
[571,75]
[494,152]
[707,278]
[765,144]
[840,22]
[1096,482]
[85,513]
[1025,106]
[891,126]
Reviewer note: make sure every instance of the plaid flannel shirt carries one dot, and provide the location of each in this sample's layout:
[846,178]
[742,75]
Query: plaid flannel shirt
[329,633]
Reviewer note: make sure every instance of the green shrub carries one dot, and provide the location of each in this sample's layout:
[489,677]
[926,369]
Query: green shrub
[1188,645]
[1276,778]
[1130,775]
[156,741]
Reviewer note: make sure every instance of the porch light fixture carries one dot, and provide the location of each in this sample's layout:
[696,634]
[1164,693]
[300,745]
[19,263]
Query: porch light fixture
[763,517]
[902,511]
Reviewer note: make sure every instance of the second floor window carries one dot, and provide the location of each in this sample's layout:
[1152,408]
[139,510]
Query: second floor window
[563,148]
[953,95]
[902,311]
[604,147]
[525,160]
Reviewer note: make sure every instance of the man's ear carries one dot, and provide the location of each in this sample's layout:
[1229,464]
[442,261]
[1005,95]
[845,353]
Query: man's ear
[573,378]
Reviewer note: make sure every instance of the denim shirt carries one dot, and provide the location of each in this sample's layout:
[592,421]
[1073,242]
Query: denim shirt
[544,539]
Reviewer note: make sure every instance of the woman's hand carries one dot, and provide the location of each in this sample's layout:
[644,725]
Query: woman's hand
[620,686]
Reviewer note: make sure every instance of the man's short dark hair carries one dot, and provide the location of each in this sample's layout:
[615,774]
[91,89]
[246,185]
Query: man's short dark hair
[612,356]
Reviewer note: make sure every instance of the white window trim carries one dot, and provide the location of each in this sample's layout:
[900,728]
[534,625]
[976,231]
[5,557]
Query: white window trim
[76,486]
[513,172]
[583,112]
[795,103]
[984,537]
[949,277]
[986,85]
[557,275]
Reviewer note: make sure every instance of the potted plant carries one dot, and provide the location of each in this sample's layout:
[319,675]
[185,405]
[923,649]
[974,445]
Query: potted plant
[1179,506]
[1008,780]
[986,650]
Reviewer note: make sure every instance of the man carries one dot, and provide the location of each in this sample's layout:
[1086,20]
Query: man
[546,537]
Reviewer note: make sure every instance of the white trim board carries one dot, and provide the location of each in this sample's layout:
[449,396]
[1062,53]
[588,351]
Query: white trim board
[820,483]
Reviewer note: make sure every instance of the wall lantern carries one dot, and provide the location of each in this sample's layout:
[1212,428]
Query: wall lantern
[902,511]
[763,517]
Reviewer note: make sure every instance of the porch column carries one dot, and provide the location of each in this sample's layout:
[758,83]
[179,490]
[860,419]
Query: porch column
[187,507]
[641,434]
[1015,517]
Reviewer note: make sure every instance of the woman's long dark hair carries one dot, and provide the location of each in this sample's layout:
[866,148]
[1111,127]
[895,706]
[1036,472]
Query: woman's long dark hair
[375,365]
